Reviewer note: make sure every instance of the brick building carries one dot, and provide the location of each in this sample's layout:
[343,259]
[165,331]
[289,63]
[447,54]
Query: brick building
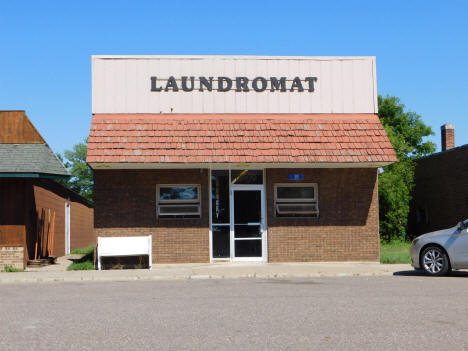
[39,217]
[238,158]
[440,195]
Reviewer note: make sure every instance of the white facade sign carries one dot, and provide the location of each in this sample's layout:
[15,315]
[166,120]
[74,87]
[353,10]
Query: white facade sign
[233,84]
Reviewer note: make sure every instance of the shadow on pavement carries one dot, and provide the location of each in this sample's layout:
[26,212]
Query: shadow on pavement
[420,273]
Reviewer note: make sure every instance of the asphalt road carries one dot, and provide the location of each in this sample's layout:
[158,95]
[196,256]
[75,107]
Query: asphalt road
[356,313]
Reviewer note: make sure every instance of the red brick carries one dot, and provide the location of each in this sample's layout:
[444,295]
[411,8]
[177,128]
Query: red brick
[346,230]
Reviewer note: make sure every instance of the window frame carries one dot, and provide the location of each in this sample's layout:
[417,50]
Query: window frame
[299,201]
[176,202]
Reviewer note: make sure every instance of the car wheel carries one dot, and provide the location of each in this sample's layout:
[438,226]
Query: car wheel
[435,261]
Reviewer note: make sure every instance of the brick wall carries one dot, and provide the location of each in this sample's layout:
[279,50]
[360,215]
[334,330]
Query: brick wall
[125,205]
[347,228]
[447,133]
[440,195]
[11,256]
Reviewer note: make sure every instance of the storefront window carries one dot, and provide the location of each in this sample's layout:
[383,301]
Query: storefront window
[178,201]
[220,197]
[296,200]
[247,176]
[178,193]
[295,192]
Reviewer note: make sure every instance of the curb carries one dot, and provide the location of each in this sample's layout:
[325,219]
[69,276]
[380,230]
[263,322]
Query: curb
[105,278]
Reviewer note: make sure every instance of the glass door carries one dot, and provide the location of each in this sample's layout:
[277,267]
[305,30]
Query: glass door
[237,212]
[247,227]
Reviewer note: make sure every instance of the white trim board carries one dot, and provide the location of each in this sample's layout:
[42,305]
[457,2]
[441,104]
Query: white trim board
[142,165]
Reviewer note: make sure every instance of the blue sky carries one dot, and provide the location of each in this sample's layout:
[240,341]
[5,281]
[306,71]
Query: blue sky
[46,48]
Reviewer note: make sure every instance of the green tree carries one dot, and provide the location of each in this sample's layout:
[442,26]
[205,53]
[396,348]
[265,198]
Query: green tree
[81,180]
[406,132]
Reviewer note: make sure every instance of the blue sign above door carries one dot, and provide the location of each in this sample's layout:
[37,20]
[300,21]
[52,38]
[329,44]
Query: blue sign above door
[295,176]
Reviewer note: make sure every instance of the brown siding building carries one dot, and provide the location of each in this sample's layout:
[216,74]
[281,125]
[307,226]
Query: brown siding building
[37,213]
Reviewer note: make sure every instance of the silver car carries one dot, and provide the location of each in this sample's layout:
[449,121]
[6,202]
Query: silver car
[439,252]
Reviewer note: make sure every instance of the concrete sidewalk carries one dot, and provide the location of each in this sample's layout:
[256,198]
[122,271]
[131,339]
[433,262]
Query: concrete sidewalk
[61,264]
[214,271]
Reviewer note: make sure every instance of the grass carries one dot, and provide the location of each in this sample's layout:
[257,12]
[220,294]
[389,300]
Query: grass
[81,266]
[85,263]
[395,252]
[11,269]
[85,251]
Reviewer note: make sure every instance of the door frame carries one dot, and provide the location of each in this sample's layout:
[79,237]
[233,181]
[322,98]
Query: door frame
[233,187]
[247,187]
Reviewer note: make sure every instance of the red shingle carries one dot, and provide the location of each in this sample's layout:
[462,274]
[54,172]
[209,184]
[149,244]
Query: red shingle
[195,138]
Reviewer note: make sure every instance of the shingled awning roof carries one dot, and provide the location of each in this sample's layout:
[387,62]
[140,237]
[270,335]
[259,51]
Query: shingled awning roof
[235,138]
[23,151]
[30,158]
